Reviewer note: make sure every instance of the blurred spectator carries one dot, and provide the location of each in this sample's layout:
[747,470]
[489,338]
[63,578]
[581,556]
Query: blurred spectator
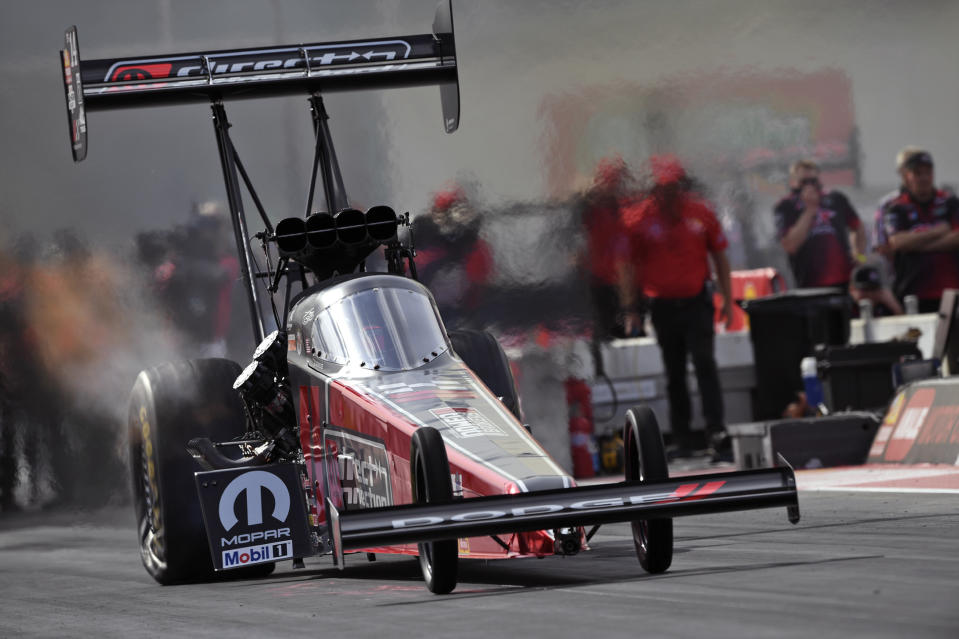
[452,260]
[920,226]
[607,246]
[12,358]
[26,407]
[194,273]
[818,230]
[74,321]
[673,234]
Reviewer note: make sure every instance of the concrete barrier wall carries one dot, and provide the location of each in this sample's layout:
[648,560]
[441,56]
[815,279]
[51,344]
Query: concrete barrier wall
[635,369]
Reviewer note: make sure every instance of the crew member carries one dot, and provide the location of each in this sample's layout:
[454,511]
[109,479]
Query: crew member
[606,245]
[920,225]
[673,237]
[452,259]
[818,230]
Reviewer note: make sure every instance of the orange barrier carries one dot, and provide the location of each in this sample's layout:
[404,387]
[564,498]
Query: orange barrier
[747,285]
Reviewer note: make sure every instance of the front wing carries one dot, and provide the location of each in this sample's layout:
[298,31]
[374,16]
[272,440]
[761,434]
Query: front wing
[563,508]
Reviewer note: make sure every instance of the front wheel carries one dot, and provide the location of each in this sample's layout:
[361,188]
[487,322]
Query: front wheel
[645,461]
[169,405]
[430,473]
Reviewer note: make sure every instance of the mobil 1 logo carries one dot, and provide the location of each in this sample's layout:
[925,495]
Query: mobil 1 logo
[254,515]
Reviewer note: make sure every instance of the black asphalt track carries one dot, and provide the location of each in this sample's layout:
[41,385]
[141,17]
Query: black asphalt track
[857,565]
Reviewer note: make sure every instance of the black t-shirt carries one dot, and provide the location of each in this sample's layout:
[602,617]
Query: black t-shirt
[924,274]
[825,258]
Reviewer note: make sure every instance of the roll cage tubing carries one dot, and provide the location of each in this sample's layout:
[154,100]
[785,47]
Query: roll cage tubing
[216,76]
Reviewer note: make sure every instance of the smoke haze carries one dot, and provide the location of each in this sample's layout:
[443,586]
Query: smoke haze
[737,89]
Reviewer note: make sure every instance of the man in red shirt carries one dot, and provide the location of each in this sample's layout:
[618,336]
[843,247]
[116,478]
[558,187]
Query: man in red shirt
[673,234]
[606,245]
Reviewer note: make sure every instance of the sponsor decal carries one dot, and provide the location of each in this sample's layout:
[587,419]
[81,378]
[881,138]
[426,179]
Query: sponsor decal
[685,492]
[130,73]
[909,424]
[360,478]
[252,516]
[940,427]
[440,389]
[466,422]
[308,316]
[156,522]
[259,60]
[257,554]
[888,426]
[400,388]
[896,409]
[456,480]
[255,536]
[881,439]
[251,484]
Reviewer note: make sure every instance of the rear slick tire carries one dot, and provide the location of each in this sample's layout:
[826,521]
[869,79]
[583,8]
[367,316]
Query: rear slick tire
[430,474]
[169,405]
[645,458]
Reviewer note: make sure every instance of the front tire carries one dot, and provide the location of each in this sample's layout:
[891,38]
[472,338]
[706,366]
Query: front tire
[430,474]
[169,405]
[645,461]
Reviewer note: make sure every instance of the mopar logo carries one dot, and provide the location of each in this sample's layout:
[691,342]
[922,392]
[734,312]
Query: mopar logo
[252,538]
[251,483]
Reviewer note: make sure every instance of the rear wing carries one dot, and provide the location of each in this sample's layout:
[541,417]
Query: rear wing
[378,63]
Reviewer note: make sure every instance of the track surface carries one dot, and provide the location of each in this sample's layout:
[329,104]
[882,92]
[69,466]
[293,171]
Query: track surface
[860,564]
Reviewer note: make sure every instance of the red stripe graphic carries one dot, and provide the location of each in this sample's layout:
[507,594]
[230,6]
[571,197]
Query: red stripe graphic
[708,489]
[684,490]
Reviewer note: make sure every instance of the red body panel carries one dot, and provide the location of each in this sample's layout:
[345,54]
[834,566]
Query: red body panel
[357,412]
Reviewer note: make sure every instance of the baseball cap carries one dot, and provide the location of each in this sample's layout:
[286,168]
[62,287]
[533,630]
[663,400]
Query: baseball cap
[443,200]
[666,169]
[610,172]
[866,277]
[911,157]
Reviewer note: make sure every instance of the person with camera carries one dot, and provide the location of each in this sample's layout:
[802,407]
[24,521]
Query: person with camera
[819,230]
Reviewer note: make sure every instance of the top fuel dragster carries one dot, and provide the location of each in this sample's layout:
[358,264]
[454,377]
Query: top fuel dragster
[361,423]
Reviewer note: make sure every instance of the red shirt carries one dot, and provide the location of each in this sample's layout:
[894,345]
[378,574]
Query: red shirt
[604,234]
[670,256]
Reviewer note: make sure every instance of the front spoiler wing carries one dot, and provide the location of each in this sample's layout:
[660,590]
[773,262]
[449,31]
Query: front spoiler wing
[562,508]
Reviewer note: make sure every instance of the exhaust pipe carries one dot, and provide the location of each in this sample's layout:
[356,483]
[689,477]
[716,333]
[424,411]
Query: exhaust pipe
[320,231]
[381,223]
[350,226]
[291,236]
